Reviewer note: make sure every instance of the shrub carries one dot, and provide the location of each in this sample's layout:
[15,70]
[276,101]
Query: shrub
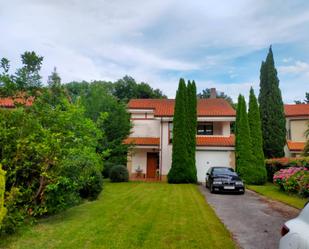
[92,186]
[119,173]
[293,180]
[2,190]
[107,168]
[274,165]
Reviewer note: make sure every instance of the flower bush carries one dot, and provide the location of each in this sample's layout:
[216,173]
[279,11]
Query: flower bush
[293,180]
[275,164]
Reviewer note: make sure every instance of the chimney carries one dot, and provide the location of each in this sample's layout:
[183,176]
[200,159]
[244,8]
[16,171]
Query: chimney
[213,93]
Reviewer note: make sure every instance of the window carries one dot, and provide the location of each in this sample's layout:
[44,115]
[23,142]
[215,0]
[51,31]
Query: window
[205,129]
[170,132]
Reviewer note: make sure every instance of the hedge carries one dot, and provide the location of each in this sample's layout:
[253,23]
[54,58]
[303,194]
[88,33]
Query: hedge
[275,164]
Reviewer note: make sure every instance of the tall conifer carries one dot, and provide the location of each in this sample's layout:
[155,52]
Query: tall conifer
[244,158]
[191,124]
[179,172]
[256,140]
[271,110]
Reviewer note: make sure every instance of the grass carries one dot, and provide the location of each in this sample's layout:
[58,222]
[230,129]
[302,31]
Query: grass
[273,192]
[131,215]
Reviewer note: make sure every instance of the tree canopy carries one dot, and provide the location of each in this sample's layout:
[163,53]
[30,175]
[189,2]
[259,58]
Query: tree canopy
[271,110]
[205,94]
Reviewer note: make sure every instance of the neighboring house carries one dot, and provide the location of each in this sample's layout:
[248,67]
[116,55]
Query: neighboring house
[9,102]
[297,120]
[152,133]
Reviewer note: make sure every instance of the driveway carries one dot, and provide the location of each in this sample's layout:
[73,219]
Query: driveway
[254,221]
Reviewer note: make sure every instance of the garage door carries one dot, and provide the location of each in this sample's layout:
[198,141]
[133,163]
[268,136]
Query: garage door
[207,159]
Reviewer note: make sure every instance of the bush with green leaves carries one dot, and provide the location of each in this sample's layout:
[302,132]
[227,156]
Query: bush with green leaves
[119,173]
[107,168]
[49,152]
[2,190]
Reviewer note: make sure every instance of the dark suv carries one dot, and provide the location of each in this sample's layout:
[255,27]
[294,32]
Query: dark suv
[224,179]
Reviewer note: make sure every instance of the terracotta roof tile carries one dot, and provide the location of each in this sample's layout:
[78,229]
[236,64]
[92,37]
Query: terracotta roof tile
[296,146]
[165,107]
[142,140]
[296,110]
[10,102]
[200,141]
[215,141]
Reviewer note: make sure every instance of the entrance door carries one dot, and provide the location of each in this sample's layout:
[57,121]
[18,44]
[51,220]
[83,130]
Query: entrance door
[152,164]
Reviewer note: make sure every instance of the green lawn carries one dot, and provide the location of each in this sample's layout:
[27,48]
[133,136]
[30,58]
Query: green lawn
[273,192]
[131,215]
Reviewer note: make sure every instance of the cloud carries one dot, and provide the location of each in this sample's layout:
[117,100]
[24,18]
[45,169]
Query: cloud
[159,41]
[297,68]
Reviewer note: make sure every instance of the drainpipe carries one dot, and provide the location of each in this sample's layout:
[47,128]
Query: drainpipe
[161,141]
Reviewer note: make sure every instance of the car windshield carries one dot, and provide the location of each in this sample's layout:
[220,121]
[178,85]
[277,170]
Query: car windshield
[223,171]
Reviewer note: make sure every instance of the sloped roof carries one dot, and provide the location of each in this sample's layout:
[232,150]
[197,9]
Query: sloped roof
[142,140]
[296,110]
[296,146]
[165,107]
[215,141]
[200,141]
[10,102]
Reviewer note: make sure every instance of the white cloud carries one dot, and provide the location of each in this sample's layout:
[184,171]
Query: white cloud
[154,41]
[297,68]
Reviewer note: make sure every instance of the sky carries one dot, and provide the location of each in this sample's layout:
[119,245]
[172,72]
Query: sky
[218,44]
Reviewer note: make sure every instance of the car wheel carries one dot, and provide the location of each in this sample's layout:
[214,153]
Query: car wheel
[211,189]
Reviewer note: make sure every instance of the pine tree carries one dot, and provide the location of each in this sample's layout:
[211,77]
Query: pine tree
[256,139]
[191,129]
[244,158]
[271,110]
[2,189]
[179,169]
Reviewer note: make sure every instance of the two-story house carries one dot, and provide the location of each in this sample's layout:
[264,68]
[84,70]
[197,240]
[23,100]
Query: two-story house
[297,120]
[152,136]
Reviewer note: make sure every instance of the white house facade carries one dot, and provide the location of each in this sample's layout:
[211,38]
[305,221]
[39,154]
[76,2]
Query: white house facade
[297,121]
[150,156]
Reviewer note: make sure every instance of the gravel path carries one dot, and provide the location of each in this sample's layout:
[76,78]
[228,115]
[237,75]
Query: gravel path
[254,221]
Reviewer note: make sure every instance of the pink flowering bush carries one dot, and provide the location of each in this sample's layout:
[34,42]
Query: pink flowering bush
[293,180]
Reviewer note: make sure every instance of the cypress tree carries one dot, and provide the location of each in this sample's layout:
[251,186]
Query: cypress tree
[271,110]
[244,158]
[2,189]
[256,140]
[179,172]
[191,129]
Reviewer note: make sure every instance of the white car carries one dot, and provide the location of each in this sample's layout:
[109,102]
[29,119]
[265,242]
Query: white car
[295,232]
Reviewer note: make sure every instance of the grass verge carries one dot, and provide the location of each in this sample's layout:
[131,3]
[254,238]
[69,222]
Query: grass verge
[273,192]
[131,215]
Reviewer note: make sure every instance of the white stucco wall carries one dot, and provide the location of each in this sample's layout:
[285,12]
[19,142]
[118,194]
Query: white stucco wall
[145,128]
[166,150]
[139,158]
[298,129]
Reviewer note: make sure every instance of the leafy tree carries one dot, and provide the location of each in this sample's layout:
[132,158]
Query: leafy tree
[305,101]
[54,79]
[2,190]
[127,88]
[271,110]
[7,84]
[256,139]
[179,172]
[205,94]
[116,126]
[28,77]
[244,157]
[191,129]
[49,154]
